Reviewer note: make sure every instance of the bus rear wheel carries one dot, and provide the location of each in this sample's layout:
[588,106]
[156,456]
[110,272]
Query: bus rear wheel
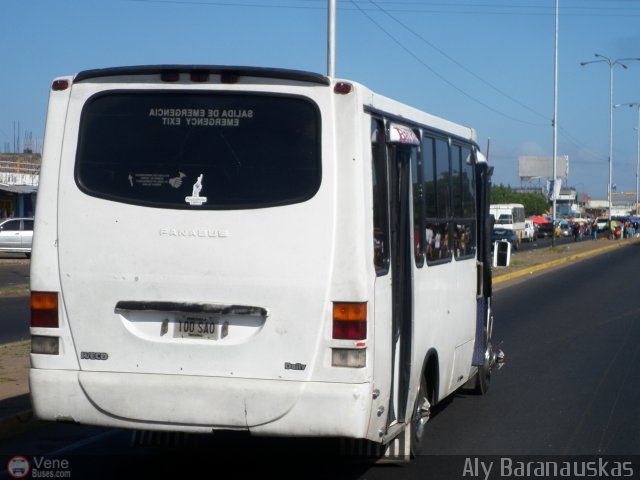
[483,377]
[419,419]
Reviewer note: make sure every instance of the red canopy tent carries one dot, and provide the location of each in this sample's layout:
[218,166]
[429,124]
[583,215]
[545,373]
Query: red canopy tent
[539,219]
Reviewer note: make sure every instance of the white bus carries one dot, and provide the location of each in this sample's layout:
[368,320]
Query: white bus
[266,250]
[509,215]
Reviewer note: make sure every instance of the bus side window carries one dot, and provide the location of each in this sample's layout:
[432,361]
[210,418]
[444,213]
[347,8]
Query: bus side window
[429,191]
[380,200]
[463,201]
[418,207]
[437,193]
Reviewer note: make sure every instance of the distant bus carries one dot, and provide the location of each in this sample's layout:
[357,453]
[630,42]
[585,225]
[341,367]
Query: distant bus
[260,250]
[509,215]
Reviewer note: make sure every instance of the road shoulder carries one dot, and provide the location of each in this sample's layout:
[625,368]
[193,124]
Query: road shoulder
[15,404]
[533,261]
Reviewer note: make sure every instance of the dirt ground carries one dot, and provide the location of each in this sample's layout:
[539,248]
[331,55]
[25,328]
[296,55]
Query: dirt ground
[14,369]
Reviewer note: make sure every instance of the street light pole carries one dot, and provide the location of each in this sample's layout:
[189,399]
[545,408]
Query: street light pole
[331,38]
[612,64]
[555,123]
[637,129]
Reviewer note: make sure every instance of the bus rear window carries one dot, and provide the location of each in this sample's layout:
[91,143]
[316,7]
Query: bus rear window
[199,150]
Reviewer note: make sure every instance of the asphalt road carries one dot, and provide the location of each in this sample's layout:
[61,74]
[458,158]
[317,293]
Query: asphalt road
[14,307]
[14,318]
[569,387]
[14,269]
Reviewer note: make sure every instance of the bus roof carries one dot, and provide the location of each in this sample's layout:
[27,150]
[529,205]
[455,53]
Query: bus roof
[233,74]
[229,71]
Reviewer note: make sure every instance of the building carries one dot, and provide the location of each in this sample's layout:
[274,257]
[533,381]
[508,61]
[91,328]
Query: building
[620,207]
[19,176]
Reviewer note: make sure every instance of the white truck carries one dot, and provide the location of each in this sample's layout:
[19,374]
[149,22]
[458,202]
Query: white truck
[509,215]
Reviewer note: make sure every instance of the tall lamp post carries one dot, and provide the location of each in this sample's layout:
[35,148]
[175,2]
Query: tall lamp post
[331,38]
[612,64]
[637,129]
[555,120]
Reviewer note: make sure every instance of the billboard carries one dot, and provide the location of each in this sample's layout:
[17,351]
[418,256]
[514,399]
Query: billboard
[530,167]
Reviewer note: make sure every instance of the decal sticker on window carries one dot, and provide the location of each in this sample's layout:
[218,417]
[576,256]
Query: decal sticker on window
[195,198]
[176,182]
[156,179]
[199,117]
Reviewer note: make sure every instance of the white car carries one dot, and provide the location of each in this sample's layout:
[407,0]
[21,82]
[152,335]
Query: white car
[529,232]
[16,235]
[565,230]
[603,223]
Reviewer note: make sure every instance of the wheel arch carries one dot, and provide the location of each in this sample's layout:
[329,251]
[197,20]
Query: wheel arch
[431,374]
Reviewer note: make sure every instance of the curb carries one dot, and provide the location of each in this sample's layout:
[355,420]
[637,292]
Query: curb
[554,263]
[17,290]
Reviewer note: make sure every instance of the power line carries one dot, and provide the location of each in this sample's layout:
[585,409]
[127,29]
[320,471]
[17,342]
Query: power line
[463,67]
[227,4]
[581,145]
[440,76]
[507,8]
[421,7]
[565,134]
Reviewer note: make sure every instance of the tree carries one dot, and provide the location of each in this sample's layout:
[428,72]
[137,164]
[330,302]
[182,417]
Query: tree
[534,203]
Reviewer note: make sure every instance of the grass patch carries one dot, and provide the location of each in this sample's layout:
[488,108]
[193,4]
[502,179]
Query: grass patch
[14,290]
[558,249]
[16,348]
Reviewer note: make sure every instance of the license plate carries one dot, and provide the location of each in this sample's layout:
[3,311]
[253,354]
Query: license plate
[197,327]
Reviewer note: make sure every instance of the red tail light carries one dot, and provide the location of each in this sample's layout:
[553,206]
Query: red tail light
[59,85]
[342,88]
[44,309]
[349,321]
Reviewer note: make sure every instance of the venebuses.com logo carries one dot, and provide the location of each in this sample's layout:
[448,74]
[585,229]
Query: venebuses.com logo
[18,467]
[39,467]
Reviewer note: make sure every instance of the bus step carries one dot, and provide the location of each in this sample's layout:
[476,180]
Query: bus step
[145,438]
[397,450]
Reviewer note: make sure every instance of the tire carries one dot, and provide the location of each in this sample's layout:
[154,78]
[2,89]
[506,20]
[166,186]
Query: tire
[483,377]
[419,418]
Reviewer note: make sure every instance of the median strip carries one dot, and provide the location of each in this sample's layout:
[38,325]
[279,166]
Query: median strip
[539,264]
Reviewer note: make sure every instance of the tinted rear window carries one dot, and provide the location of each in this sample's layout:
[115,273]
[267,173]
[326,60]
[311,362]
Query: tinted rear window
[199,150]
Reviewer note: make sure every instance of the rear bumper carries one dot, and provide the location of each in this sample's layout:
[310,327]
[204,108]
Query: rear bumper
[201,404]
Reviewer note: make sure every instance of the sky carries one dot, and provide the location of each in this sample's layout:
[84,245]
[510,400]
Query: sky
[486,64]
